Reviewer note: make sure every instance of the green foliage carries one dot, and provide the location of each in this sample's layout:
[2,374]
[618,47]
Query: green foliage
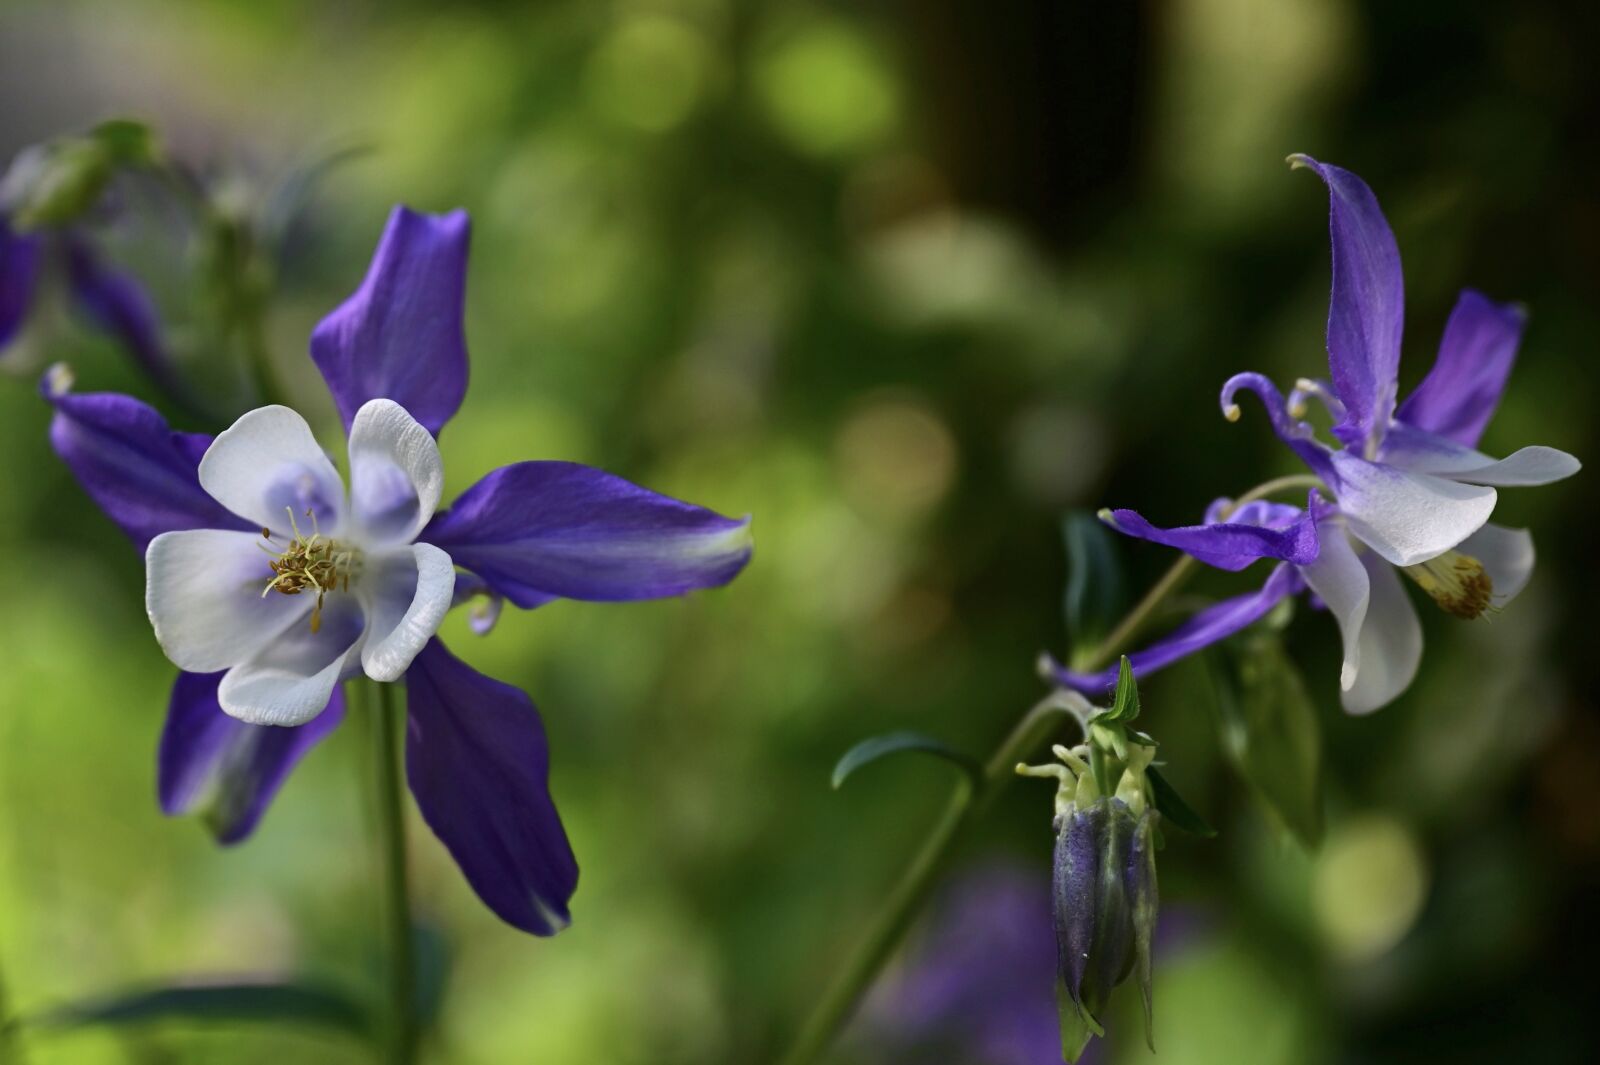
[877,747]
[1268,726]
[258,1003]
[1095,595]
[1174,808]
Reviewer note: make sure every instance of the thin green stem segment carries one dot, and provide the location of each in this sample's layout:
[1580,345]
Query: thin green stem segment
[829,1016]
[400,1028]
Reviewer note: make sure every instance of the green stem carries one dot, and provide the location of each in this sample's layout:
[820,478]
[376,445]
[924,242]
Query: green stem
[400,1030]
[829,1016]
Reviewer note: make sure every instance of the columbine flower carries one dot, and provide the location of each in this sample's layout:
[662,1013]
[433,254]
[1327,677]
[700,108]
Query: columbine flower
[269,585]
[1409,490]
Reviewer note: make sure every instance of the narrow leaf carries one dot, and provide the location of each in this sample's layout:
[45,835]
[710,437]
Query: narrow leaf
[1173,808]
[876,747]
[1269,730]
[1125,705]
[1094,596]
[289,1003]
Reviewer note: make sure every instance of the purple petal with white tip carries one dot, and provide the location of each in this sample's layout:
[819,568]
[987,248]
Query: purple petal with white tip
[20,258]
[216,764]
[537,529]
[139,471]
[1214,623]
[400,336]
[479,765]
[1420,451]
[1460,393]
[1367,306]
[1229,545]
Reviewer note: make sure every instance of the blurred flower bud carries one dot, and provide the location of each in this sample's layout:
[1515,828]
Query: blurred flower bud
[57,182]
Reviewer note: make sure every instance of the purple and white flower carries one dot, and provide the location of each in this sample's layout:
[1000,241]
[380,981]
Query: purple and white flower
[1407,491]
[269,584]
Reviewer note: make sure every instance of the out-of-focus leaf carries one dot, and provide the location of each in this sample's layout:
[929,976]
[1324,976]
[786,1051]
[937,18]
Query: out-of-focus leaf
[870,750]
[283,1003]
[1094,597]
[1173,808]
[1269,730]
[432,952]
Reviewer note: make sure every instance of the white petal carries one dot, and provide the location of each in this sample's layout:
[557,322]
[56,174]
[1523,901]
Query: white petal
[267,464]
[290,681]
[1422,452]
[407,592]
[203,594]
[395,472]
[1507,555]
[1391,642]
[1408,517]
[1340,580]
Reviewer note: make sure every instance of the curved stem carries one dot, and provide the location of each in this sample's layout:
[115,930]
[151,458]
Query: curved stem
[400,1030]
[829,1016]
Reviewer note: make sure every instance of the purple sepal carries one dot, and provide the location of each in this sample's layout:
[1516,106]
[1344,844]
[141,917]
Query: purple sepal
[139,471]
[228,769]
[21,255]
[539,529]
[1366,309]
[399,336]
[119,306]
[1214,623]
[1460,393]
[479,766]
[1231,545]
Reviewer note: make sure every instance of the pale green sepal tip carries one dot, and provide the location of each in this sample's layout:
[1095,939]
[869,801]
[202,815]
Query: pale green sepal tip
[1298,161]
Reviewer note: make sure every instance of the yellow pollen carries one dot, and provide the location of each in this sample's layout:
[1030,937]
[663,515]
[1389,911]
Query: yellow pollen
[1457,582]
[315,563]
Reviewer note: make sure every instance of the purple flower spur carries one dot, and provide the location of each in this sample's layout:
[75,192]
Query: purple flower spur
[269,583]
[1406,489]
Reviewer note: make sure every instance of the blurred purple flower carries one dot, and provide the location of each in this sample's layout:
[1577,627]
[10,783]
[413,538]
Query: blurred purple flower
[108,299]
[1410,489]
[979,984]
[224,525]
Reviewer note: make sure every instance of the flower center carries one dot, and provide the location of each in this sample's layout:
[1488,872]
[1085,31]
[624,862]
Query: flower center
[1457,582]
[310,563]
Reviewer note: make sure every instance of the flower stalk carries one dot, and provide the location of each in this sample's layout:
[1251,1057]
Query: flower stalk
[399,1028]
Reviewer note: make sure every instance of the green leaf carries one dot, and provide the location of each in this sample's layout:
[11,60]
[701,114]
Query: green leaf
[1094,596]
[876,747]
[1173,808]
[126,140]
[1270,732]
[285,1003]
[1125,705]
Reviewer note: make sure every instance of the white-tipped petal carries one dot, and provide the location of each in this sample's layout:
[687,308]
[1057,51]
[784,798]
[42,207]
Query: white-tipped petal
[203,594]
[1507,556]
[395,472]
[407,593]
[268,464]
[1419,451]
[290,681]
[1340,580]
[1408,517]
[1391,642]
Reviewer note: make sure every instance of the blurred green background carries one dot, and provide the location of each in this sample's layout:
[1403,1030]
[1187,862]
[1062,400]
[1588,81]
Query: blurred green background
[905,280]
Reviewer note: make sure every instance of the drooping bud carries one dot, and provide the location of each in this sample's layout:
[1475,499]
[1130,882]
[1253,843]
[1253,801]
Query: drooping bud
[1105,906]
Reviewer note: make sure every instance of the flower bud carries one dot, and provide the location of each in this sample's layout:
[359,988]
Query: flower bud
[1105,909]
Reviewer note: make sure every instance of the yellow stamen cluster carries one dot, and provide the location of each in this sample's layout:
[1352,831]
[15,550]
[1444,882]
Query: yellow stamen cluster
[314,563]
[1457,582]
